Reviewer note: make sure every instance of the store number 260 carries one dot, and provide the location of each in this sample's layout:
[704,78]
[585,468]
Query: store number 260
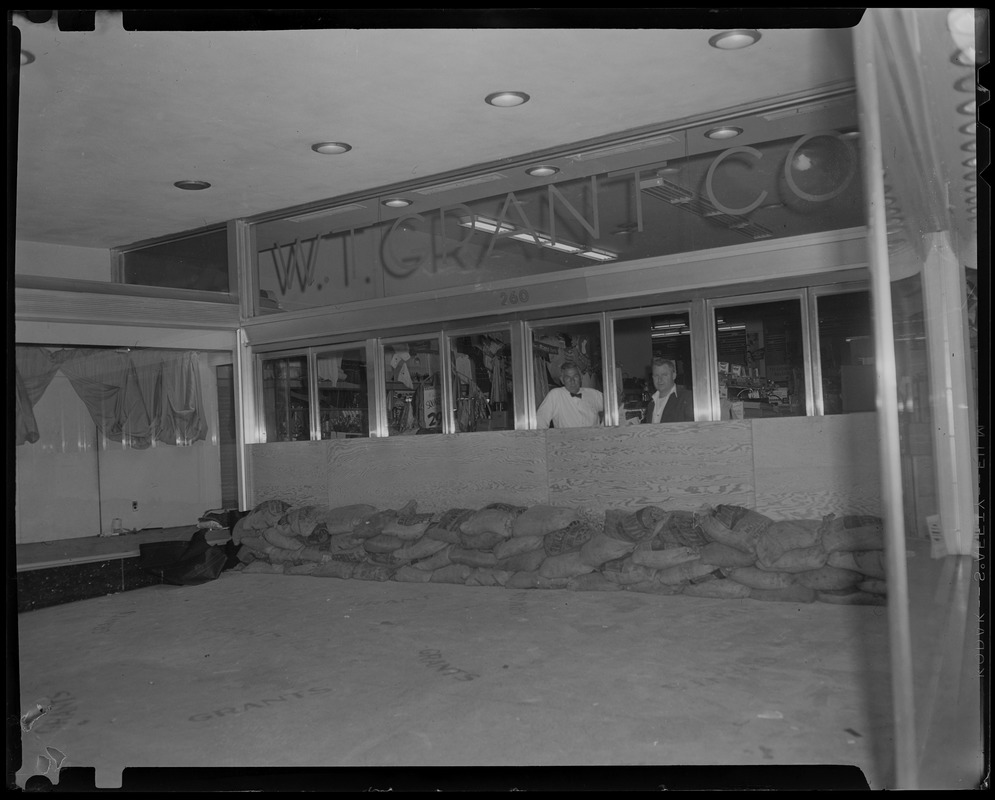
[515,297]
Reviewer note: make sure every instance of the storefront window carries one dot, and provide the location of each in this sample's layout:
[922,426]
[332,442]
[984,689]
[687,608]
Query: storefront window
[846,353]
[640,340]
[197,261]
[482,382]
[286,399]
[556,345]
[761,363]
[343,401]
[414,386]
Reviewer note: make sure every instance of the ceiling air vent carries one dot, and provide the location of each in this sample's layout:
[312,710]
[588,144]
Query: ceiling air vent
[472,181]
[641,144]
[684,199]
[327,212]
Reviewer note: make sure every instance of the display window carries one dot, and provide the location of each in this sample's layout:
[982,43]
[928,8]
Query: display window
[285,389]
[483,376]
[414,386]
[567,362]
[845,353]
[343,393]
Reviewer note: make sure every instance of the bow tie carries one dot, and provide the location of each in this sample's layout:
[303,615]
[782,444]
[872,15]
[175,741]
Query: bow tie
[575,394]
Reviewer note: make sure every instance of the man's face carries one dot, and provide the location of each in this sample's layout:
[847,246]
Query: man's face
[663,378]
[571,380]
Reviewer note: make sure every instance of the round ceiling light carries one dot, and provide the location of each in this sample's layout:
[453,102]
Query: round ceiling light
[26,58]
[970,146]
[542,171]
[192,186]
[969,128]
[396,202]
[734,40]
[506,99]
[723,132]
[967,83]
[970,108]
[331,148]
[971,162]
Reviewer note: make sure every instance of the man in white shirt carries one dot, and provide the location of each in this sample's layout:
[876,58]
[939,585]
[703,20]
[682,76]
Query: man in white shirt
[571,406]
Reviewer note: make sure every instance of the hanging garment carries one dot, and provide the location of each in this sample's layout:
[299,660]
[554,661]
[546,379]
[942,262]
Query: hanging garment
[33,372]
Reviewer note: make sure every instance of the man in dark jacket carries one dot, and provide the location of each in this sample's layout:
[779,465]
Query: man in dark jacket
[670,403]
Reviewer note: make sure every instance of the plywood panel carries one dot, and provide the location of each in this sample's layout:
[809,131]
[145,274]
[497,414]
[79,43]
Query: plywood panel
[807,467]
[439,471]
[296,472]
[678,466]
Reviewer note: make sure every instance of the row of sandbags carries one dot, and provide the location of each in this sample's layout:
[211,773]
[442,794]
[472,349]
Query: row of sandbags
[728,551]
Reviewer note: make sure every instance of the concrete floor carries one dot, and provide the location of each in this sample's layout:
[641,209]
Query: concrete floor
[259,670]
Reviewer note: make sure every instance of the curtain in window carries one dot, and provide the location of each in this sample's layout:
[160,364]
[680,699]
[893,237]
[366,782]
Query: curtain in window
[33,372]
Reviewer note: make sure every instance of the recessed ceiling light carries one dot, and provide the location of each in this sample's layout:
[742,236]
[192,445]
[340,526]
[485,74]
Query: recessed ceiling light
[971,201]
[542,171]
[506,99]
[26,58]
[396,202]
[734,40]
[331,148]
[971,162]
[723,132]
[972,189]
[970,108]
[966,84]
[969,128]
[970,146]
[192,186]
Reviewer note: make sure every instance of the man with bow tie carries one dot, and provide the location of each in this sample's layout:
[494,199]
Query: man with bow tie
[670,403]
[571,405]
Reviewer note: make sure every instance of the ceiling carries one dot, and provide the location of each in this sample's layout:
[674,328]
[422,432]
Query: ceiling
[109,119]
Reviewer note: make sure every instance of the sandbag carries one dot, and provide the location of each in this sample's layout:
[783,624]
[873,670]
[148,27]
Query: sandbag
[344,519]
[782,536]
[758,578]
[472,558]
[443,535]
[484,540]
[542,519]
[344,542]
[679,529]
[796,593]
[829,578]
[804,559]
[410,574]
[265,515]
[867,562]
[722,555]
[685,573]
[334,569]
[261,566]
[409,527]
[447,526]
[717,531]
[565,565]
[483,576]
[633,526]
[719,588]
[551,583]
[383,543]
[301,521]
[420,549]
[601,548]
[529,561]
[490,520]
[516,545]
[592,582]
[434,561]
[280,537]
[645,556]
[654,587]
[873,586]
[852,533]
[572,537]
[354,556]
[372,572]
[857,598]
[308,568]
[524,579]
[742,520]
[454,573]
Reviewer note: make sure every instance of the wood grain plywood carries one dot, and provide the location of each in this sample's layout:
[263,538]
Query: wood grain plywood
[296,472]
[439,471]
[677,466]
[807,467]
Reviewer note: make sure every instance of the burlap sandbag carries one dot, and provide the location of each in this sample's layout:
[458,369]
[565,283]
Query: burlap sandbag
[857,598]
[354,556]
[307,568]
[654,587]
[334,569]
[645,556]
[722,555]
[383,543]
[571,537]
[685,573]
[410,574]
[443,535]
[524,562]
[300,521]
[454,573]
[344,542]
[804,559]
[484,540]
[742,520]
[852,533]
[409,527]
[483,576]
[795,593]
[601,548]
[434,561]
[421,549]
[717,531]
[344,519]
[264,567]
[624,572]
[784,535]
[265,515]
[524,579]
[634,526]
[490,520]
[372,572]
[873,586]
[679,529]
[829,578]
[539,520]
[592,582]
[867,562]
[719,588]
[551,583]
[447,526]
[516,545]
[472,558]
[565,565]
[759,579]
[280,536]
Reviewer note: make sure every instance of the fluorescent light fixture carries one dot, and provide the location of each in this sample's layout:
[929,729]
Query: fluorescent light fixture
[331,148]
[487,225]
[725,328]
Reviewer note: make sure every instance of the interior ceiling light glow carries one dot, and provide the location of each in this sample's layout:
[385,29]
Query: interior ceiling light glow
[506,99]
[971,162]
[192,186]
[734,40]
[542,171]
[331,148]
[972,189]
[723,132]
[969,128]
[970,108]
[26,58]
[396,202]
[970,146]
[966,84]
